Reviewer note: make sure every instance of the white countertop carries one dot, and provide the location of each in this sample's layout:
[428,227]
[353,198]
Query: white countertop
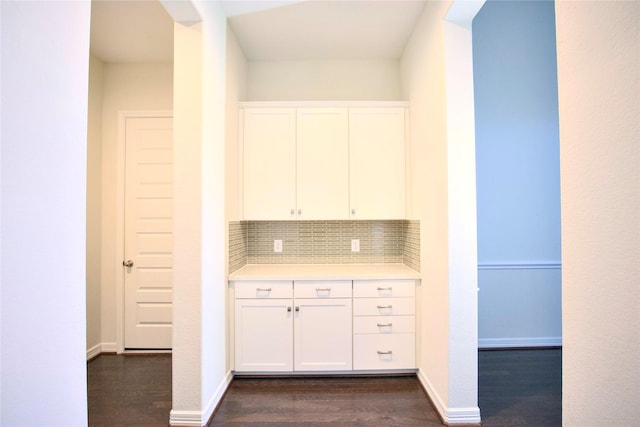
[324,272]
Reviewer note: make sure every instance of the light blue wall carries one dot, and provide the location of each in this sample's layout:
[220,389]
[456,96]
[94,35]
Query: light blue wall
[518,173]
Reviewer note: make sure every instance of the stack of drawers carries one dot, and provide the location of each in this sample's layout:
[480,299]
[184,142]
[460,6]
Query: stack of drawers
[383,324]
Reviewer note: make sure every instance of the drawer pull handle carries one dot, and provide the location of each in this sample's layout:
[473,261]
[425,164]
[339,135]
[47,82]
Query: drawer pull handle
[385,352]
[385,306]
[323,290]
[386,289]
[385,325]
[263,289]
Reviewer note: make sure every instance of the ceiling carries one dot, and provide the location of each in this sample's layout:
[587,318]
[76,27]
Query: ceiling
[142,31]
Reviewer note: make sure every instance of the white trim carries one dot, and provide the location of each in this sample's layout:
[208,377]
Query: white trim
[321,104]
[519,342]
[145,351]
[120,197]
[200,418]
[185,418]
[217,397]
[449,416]
[98,349]
[464,416]
[525,265]
[94,351]
[109,347]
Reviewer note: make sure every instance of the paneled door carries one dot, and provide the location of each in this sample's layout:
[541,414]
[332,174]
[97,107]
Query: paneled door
[148,240]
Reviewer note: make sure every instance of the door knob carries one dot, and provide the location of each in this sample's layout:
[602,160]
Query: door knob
[128,263]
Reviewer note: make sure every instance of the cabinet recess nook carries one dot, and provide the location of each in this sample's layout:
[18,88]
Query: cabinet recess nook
[328,161]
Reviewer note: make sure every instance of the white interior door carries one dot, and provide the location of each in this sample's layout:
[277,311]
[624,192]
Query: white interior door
[148,240]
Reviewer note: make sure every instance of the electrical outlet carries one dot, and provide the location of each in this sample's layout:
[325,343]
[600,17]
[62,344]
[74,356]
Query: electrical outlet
[355,245]
[277,246]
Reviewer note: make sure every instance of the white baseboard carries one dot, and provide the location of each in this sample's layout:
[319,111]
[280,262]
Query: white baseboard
[449,416]
[104,347]
[109,347]
[519,342]
[94,351]
[200,418]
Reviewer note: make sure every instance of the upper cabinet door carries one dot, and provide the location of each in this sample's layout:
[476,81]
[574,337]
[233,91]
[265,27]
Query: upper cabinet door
[269,140]
[377,163]
[322,163]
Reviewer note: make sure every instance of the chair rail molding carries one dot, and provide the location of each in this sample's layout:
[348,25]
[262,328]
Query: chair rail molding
[521,265]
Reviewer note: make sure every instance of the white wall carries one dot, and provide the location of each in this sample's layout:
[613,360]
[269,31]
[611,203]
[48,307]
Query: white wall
[518,174]
[519,307]
[187,239]
[43,201]
[94,208]
[599,81]
[236,92]
[215,372]
[126,87]
[200,370]
[423,85]
[328,80]
[437,80]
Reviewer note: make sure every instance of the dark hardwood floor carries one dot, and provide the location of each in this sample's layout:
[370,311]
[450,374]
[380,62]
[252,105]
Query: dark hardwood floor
[397,401]
[516,387]
[520,387]
[130,390]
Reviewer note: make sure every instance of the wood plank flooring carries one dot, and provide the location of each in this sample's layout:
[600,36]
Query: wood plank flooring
[396,401]
[516,387]
[520,387]
[130,390]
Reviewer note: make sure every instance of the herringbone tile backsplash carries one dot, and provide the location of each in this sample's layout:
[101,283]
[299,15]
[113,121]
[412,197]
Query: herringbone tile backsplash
[324,242]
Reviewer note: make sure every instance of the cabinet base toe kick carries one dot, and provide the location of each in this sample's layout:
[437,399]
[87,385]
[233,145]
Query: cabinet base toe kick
[344,374]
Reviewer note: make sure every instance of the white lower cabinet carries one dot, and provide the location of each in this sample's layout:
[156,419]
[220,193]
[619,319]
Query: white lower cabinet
[308,331]
[322,326]
[263,323]
[384,324]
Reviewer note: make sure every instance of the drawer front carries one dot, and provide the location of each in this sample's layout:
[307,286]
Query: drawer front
[322,289]
[384,288]
[384,306]
[377,351]
[264,289]
[384,325]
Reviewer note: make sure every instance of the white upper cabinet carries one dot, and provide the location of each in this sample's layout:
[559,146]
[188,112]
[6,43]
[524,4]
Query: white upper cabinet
[323,163]
[269,152]
[377,163]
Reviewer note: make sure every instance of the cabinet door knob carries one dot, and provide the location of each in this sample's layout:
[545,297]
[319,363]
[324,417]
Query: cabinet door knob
[297,309]
[292,212]
[288,309]
[299,211]
[353,211]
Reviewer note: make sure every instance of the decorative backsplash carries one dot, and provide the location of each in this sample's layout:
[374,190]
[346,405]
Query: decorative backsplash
[237,245]
[324,242]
